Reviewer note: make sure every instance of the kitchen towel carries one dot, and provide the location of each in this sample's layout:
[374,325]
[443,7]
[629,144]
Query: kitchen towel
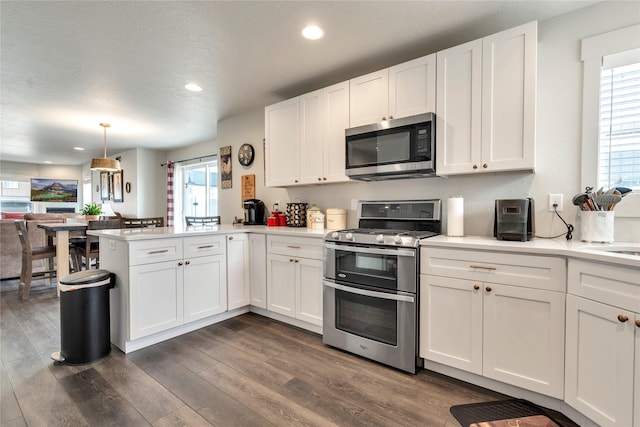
[455,216]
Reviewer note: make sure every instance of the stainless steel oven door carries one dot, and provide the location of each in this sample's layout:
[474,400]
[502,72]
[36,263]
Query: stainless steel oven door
[377,325]
[390,268]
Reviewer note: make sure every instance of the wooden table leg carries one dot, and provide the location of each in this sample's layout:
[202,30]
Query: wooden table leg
[62,257]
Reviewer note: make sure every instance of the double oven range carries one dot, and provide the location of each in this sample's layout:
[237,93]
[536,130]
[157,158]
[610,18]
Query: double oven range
[370,286]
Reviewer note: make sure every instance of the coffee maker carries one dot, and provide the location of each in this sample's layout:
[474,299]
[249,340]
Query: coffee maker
[255,212]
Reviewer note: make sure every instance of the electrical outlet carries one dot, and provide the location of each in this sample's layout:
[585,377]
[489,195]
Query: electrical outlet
[557,200]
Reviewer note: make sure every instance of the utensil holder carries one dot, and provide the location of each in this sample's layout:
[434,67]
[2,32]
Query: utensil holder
[596,226]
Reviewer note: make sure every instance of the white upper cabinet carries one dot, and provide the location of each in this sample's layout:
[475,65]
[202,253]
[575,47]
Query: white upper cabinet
[282,135]
[324,117]
[403,90]
[369,98]
[412,87]
[305,138]
[486,100]
[336,121]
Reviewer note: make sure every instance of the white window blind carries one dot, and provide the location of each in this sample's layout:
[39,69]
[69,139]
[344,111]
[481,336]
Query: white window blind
[619,139]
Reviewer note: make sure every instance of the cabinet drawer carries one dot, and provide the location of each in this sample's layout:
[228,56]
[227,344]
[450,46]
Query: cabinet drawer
[609,284]
[532,271]
[204,245]
[148,251]
[295,246]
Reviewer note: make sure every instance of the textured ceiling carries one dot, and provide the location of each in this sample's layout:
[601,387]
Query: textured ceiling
[67,66]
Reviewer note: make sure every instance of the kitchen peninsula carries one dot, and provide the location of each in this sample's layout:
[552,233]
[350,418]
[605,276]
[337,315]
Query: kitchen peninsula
[170,281]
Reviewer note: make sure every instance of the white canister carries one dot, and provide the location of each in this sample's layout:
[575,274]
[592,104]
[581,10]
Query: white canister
[310,212]
[317,221]
[596,226]
[336,219]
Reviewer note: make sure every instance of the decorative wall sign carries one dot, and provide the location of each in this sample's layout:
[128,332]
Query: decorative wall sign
[248,187]
[225,167]
[117,187]
[104,186]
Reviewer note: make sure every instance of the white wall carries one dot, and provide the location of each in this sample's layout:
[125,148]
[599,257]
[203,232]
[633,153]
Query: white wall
[559,118]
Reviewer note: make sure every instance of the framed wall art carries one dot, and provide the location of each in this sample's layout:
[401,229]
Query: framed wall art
[225,167]
[104,186]
[117,187]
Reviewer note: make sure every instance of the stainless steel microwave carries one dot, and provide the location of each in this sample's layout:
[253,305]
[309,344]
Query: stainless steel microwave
[392,149]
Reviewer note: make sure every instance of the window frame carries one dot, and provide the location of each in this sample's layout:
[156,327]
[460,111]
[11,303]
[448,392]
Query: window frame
[593,50]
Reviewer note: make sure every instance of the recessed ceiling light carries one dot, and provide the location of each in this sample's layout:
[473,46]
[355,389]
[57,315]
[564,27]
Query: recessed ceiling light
[193,87]
[312,32]
[48,162]
[79,148]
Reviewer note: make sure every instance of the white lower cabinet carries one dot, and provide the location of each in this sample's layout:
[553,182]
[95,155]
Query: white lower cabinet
[494,314]
[294,277]
[603,343]
[167,294]
[238,278]
[258,269]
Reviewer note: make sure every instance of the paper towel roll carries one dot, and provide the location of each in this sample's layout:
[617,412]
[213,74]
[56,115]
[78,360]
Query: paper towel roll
[455,216]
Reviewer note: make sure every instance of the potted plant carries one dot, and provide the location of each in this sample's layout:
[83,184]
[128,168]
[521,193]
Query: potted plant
[91,211]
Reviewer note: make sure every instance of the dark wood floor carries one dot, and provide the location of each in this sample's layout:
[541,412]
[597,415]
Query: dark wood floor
[247,371]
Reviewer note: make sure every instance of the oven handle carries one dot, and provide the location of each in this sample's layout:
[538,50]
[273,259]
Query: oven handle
[370,250]
[382,295]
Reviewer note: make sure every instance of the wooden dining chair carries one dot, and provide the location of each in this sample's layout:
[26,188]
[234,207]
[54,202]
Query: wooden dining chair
[29,254]
[142,222]
[90,248]
[201,220]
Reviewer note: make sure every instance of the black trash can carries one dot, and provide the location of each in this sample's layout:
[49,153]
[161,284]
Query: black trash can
[85,334]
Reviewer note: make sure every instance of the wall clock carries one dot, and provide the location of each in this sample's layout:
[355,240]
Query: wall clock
[246,154]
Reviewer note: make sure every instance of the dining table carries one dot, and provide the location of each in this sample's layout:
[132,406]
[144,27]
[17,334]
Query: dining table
[62,232]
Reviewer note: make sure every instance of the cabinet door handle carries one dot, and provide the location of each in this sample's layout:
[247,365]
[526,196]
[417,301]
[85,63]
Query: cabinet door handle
[230,237]
[162,251]
[475,166]
[390,117]
[205,247]
[484,165]
[290,259]
[324,178]
[179,263]
[187,262]
[296,260]
[476,287]
[622,318]
[483,267]
[488,288]
[384,118]
[319,179]
[638,323]
[293,246]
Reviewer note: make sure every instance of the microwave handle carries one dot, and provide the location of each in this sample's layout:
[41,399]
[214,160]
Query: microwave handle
[376,251]
[373,294]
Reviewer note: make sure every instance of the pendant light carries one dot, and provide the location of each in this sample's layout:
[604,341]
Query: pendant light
[105,164]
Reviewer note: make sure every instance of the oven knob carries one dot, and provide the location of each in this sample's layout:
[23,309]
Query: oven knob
[349,236]
[380,238]
[397,240]
[335,235]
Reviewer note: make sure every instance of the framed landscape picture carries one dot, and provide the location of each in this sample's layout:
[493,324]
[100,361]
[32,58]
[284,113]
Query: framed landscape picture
[54,190]
[117,187]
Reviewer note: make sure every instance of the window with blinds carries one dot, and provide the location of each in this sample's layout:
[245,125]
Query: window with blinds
[619,139]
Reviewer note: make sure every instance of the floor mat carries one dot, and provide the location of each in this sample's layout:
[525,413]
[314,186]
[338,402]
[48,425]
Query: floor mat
[512,412]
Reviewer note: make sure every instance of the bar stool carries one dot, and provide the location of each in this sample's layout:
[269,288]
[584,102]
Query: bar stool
[29,254]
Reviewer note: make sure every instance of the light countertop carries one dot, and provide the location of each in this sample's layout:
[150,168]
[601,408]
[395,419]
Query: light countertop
[132,234]
[559,247]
